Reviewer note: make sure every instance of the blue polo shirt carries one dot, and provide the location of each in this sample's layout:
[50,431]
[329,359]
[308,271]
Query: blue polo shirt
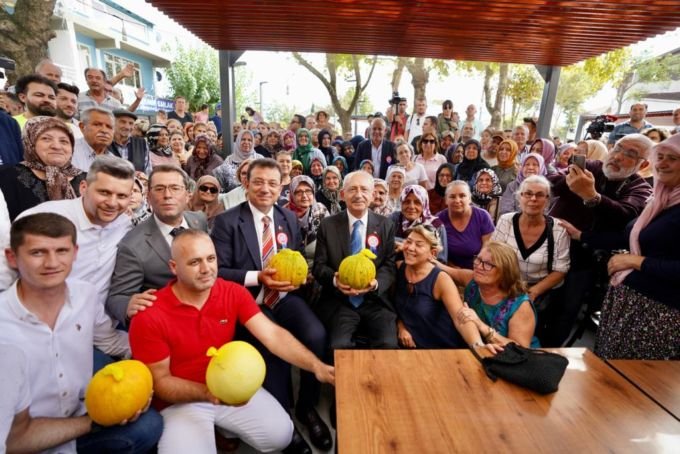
[624,129]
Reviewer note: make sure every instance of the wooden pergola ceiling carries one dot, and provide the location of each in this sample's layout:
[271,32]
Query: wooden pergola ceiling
[546,32]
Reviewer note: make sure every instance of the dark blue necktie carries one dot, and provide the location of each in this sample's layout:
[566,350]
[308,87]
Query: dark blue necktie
[356,246]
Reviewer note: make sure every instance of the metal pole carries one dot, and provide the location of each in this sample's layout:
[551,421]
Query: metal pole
[226,93]
[261,101]
[551,76]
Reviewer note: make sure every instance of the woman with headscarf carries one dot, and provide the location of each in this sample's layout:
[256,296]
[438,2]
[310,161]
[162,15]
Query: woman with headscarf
[316,171]
[138,209]
[347,152]
[326,145]
[641,311]
[238,194]
[295,168]
[545,148]
[564,154]
[379,203]
[160,152]
[205,198]
[288,141]
[532,164]
[437,195]
[259,145]
[593,150]
[329,194]
[305,152]
[46,173]
[308,211]
[367,166]
[341,163]
[395,182]
[203,160]
[244,148]
[486,192]
[472,162]
[506,170]
[273,142]
[415,210]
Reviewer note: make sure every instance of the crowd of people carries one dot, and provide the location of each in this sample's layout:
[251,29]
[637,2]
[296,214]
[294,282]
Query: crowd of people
[155,246]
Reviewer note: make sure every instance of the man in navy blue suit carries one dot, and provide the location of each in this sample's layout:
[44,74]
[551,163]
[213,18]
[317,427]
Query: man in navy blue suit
[378,149]
[246,237]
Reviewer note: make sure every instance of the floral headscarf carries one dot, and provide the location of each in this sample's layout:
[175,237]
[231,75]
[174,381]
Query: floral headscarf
[56,178]
[426,216]
[496,189]
[541,166]
[292,146]
[152,137]
[311,219]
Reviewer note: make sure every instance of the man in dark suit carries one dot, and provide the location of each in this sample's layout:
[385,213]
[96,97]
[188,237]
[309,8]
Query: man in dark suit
[342,308]
[143,254]
[378,149]
[245,237]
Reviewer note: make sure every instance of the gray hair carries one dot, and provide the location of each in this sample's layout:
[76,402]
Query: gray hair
[351,175]
[407,145]
[526,130]
[86,114]
[461,183]
[46,61]
[113,166]
[533,179]
[642,141]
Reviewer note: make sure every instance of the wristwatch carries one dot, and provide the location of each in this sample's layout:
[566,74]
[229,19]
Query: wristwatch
[592,203]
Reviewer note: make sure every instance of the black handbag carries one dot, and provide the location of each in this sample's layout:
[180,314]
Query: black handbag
[536,370]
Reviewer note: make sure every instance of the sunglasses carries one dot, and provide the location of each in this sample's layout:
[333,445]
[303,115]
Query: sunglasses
[209,189]
[428,141]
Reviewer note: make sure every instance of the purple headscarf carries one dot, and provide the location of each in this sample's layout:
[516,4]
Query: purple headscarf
[426,216]
[548,150]
[541,166]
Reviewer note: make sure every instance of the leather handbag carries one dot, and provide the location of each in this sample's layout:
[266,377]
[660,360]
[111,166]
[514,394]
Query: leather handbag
[536,370]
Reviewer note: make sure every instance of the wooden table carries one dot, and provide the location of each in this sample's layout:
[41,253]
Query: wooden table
[440,401]
[660,380]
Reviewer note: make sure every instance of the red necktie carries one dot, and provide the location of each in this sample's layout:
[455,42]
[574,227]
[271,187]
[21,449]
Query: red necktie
[271,297]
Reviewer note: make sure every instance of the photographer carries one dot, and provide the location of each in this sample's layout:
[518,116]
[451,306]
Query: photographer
[397,122]
[598,197]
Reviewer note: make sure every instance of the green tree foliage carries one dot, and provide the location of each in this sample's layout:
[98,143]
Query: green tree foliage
[279,111]
[194,74]
[363,107]
[345,66]
[525,88]
[24,34]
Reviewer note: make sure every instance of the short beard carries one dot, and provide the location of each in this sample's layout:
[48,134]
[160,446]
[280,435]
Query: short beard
[38,111]
[63,115]
[619,175]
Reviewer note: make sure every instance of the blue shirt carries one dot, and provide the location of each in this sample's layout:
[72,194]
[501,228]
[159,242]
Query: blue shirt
[624,129]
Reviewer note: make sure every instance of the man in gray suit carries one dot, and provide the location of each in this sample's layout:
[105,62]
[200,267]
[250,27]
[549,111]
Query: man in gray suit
[143,254]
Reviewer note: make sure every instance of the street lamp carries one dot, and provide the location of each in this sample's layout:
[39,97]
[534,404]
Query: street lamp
[261,102]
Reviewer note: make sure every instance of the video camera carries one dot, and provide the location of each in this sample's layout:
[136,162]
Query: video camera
[600,125]
[396,99]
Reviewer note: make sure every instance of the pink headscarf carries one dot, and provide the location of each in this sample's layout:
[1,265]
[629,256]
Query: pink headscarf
[663,198]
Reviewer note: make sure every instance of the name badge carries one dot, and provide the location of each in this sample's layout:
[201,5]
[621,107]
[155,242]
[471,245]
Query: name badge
[373,242]
[282,240]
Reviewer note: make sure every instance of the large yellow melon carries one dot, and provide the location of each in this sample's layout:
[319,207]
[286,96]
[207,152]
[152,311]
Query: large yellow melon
[118,391]
[290,266]
[235,372]
[358,270]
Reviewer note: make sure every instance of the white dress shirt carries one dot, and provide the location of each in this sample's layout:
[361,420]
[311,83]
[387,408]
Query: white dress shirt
[376,155]
[15,396]
[7,274]
[97,245]
[364,226]
[166,229]
[60,360]
[251,276]
[84,155]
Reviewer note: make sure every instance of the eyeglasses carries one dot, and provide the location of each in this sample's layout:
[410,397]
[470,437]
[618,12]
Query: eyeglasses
[428,141]
[173,188]
[631,154]
[209,189]
[483,264]
[531,195]
[303,192]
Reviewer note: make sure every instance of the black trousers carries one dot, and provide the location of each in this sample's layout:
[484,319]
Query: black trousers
[376,322]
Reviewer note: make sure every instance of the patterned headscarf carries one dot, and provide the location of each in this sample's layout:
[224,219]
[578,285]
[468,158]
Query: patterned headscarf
[56,178]
[292,146]
[426,216]
[152,137]
[496,189]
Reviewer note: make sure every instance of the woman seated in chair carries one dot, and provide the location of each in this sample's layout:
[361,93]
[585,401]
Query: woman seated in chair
[428,306]
[496,298]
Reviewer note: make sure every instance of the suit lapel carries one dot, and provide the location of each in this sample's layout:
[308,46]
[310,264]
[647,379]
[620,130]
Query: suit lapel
[342,234]
[247,227]
[373,228]
[155,240]
[281,226]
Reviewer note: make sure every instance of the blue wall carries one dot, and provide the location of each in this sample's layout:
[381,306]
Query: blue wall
[89,42]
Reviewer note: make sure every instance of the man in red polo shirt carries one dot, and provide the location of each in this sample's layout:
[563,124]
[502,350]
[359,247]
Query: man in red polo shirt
[191,314]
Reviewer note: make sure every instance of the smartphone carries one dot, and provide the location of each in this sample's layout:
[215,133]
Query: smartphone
[579,160]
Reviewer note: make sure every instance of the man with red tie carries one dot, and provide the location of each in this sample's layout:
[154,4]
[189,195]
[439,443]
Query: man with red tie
[246,237]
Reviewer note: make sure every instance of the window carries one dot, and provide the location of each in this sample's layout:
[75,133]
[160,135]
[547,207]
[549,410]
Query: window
[84,55]
[114,64]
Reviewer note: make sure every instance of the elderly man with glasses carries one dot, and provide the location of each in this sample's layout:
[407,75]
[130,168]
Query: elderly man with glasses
[602,197]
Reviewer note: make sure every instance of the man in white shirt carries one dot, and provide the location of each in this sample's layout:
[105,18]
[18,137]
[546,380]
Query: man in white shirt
[99,216]
[470,117]
[414,126]
[96,125]
[56,326]
[7,275]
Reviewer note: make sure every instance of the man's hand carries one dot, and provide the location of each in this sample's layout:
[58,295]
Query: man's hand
[349,291]
[573,232]
[140,92]
[325,373]
[266,278]
[581,182]
[140,301]
[128,70]
[136,416]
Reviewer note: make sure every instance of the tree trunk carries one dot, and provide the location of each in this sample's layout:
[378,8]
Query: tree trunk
[25,33]
[397,73]
[420,76]
[622,89]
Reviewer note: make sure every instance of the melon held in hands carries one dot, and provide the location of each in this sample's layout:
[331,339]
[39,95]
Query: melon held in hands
[235,372]
[118,391]
[358,270]
[290,266]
